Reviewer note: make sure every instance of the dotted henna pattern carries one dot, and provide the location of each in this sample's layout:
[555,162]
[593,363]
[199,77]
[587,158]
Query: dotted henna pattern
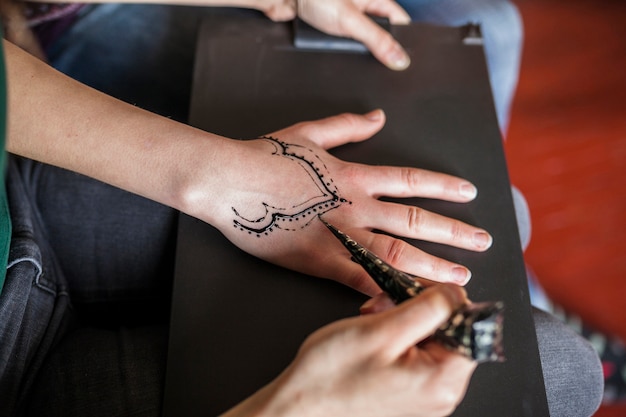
[299,214]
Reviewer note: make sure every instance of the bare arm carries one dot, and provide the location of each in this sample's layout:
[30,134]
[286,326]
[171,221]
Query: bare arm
[57,120]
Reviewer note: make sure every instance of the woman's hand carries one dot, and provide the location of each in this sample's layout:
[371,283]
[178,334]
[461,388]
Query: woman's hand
[273,189]
[370,366]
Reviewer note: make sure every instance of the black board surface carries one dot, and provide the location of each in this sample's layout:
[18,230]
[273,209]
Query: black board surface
[237,321]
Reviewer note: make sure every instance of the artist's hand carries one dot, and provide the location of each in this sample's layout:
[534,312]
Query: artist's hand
[348,18]
[274,189]
[369,366]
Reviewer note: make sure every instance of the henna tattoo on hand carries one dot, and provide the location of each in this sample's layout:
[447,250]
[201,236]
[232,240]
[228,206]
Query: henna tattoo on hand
[299,214]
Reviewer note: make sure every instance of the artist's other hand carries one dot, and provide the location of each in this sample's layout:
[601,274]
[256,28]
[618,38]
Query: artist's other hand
[273,190]
[370,366]
[348,18]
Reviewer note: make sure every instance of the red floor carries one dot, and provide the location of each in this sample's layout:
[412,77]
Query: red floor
[567,152]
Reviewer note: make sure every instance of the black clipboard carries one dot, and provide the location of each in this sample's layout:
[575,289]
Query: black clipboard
[237,321]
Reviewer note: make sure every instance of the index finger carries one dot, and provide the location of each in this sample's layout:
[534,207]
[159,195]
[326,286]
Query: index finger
[337,130]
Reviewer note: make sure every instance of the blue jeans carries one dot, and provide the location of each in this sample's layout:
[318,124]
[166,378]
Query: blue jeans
[84,310]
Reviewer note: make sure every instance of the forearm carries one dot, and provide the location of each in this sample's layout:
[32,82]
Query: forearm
[56,120]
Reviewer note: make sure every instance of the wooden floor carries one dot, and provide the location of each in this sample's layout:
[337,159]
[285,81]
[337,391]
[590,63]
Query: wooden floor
[567,152]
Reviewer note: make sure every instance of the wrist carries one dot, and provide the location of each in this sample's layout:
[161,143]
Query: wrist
[199,185]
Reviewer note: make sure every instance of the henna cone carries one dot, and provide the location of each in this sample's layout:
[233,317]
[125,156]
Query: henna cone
[474,330]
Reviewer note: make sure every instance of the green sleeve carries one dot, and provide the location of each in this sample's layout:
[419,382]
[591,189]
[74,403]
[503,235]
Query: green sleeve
[5,220]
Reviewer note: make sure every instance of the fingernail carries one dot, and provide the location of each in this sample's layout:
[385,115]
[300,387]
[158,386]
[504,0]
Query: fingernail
[468,190]
[374,115]
[376,304]
[405,19]
[482,240]
[399,59]
[367,306]
[461,275]
[456,293]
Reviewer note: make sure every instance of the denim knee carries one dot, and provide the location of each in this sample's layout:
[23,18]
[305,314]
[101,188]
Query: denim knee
[34,304]
[572,370]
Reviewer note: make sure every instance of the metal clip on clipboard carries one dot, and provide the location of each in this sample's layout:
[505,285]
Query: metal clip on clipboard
[306,37]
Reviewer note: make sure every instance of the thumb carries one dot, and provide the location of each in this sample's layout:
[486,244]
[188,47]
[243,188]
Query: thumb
[416,319]
[338,130]
[380,42]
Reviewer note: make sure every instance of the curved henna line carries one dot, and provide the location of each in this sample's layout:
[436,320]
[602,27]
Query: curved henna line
[278,209]
[275,224]
[308,167]
[287,216]
[315,209]
[331,198]
[260,218]
[302,160]
[318,208]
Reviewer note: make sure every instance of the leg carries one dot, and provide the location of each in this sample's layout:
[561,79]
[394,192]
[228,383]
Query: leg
[35,310]
[113,253]
[116,249]
[99,372]
[572,371]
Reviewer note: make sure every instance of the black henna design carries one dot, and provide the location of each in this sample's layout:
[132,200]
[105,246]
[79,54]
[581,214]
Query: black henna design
[300,214]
